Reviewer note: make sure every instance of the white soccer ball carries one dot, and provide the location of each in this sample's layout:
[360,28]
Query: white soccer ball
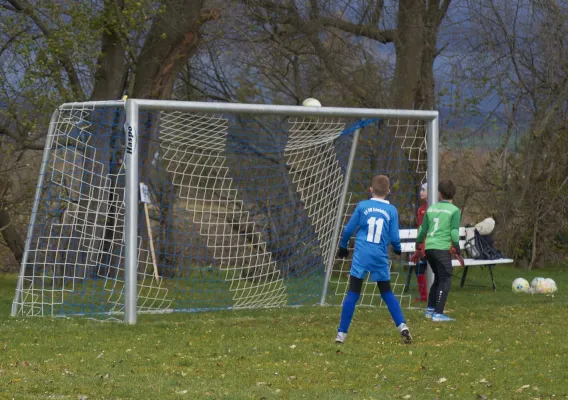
[521,285]
[548,286]
[536,285]
[311,102]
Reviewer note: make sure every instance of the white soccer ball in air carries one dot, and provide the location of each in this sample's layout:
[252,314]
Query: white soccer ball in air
[536,285]
[311,102]
[521,285]
[548,286]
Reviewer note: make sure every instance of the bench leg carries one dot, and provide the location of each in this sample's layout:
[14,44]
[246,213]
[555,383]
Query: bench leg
[408,277]
[492,280]
[463,276]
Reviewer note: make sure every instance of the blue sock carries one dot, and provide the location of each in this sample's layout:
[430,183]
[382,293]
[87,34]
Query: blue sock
[394,307]
[347,311]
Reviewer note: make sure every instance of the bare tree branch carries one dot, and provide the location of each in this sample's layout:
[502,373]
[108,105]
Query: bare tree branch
[368,31]
[61,55]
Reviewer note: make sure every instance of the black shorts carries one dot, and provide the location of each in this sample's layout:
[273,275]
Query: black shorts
[440,261]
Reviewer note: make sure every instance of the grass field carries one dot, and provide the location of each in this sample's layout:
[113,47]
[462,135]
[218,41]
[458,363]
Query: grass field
[502,346]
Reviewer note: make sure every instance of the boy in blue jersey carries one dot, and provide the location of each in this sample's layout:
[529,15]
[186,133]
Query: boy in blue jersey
[376,222]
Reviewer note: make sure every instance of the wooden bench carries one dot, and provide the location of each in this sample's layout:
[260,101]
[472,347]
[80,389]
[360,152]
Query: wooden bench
[408,242]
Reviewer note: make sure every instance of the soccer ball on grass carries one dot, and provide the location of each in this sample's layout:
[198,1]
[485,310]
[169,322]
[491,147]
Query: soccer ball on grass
[537,285]
[548,286]
[521,285]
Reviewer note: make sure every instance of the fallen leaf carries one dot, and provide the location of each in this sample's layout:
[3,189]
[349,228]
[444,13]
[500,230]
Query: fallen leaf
[519,390]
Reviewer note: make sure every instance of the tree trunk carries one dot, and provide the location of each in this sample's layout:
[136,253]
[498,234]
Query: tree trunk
[409,43]
[112,66]
[11,236]
[534,244]
[172,39]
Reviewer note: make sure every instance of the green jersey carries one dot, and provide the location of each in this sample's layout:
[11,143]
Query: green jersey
[440,227]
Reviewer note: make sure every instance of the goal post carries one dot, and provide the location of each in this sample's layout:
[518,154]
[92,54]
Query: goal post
[244,208]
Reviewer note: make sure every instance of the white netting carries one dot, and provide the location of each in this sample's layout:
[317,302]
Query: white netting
[193,149]
[82,237]
[413,141]
[315,171]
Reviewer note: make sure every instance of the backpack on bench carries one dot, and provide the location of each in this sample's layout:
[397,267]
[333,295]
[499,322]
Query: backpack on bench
[480,247]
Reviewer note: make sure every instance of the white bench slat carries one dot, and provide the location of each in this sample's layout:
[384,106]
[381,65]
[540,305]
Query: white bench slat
[471,261]
[407,234]
[410,247]
[468,262]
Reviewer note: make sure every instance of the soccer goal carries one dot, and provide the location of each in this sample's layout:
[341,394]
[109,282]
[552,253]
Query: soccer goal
[164,206]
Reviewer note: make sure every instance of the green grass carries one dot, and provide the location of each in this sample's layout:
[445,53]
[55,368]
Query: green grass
[502,346]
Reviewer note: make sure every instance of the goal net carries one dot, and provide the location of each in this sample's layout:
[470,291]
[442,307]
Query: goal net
[239,205]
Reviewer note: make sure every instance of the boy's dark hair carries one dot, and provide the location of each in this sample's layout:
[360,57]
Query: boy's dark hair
[380,185]
[447,189]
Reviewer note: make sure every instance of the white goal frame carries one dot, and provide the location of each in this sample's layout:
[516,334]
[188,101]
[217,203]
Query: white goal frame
[132,109]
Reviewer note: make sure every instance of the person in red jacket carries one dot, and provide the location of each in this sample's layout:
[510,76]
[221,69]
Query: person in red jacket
[419,257]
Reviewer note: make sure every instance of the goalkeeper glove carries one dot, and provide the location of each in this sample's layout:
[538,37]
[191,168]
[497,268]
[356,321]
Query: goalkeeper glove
[397,252]
[457,251]
[342,252]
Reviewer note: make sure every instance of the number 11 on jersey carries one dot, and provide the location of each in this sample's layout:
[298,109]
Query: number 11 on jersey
[375,229]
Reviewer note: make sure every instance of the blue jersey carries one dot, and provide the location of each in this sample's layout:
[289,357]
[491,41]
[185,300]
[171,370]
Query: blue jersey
[377,223]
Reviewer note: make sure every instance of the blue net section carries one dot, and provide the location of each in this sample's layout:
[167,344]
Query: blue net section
[239,209]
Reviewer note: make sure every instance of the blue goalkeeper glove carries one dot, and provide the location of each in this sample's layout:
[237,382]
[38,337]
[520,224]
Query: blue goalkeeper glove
[342,252]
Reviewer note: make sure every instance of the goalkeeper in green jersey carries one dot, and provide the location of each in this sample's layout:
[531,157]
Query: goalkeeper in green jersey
[440,230]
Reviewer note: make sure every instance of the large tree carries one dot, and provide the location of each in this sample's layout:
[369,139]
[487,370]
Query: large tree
[331,28]
[57,51]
